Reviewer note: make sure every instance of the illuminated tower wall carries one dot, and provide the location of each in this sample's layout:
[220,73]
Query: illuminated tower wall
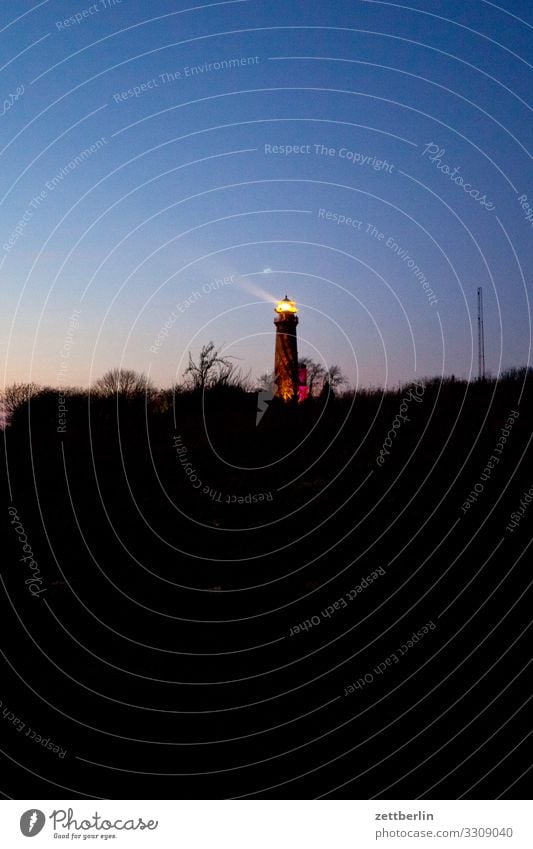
[286,353]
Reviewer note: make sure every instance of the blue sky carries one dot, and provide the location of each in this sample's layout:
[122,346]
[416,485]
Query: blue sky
[169,172]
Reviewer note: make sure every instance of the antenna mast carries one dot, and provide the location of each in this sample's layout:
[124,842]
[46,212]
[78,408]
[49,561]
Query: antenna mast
[480,335]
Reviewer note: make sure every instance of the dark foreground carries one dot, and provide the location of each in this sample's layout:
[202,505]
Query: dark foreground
[335,602]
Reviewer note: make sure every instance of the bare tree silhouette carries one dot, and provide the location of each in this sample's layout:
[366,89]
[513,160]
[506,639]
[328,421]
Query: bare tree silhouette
[125,383]
[17,394]
[211,369]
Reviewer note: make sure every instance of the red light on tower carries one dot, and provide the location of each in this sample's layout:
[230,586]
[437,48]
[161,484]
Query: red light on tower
[303,389]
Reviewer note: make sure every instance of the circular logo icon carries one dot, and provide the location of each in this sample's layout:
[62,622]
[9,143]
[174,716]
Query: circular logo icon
[32,822]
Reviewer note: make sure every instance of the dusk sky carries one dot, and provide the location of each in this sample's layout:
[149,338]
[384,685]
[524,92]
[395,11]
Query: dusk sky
[170,172]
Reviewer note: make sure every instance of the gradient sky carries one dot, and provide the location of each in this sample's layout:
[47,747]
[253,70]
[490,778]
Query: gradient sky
[122,255]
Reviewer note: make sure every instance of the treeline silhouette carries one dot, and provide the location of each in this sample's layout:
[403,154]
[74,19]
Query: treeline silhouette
[114,449]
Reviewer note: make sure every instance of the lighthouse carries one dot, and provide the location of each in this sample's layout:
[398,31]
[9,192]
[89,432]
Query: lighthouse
[286,352]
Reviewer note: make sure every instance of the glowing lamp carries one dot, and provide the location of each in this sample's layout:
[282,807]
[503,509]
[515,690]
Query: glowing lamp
[286,305]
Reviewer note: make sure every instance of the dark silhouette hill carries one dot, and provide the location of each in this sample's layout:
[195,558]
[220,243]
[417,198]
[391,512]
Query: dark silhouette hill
[181,546]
